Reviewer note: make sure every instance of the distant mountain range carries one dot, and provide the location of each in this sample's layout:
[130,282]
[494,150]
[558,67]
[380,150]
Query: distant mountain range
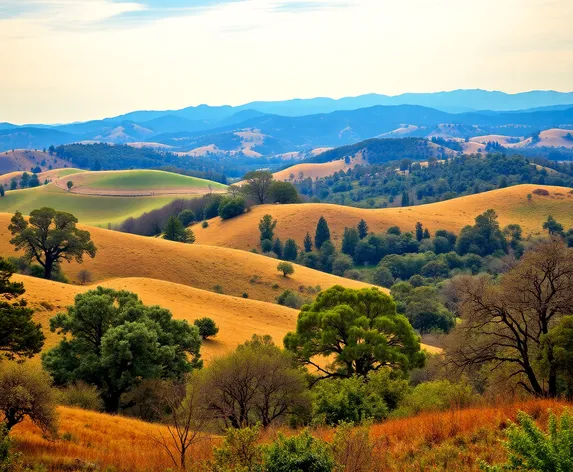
[272,128]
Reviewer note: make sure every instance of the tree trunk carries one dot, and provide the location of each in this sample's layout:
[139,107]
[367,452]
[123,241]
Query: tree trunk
[48,268]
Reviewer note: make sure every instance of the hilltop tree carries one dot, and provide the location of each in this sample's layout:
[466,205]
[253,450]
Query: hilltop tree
[69,184]
[175,231]
[322,233]
[258,185]
[283,192]
[267,227]
[505,323]
[362,229]
[290,252]
[307,243]
[116,342]
[552,226]
[49,237]
[286,268]
[350,240]
[19,335]
[358,329]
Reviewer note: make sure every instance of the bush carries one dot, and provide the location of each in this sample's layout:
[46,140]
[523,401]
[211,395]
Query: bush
[353,449]
[205,224]
[207,327]
[437,395]
[231,207]
[186,217]
[84,277]
[531,448]
[239,452]
[298,453]
[286,268]
[291,299]
[341,264]
[81,395]
[383,277]
[541,191]
[266,245]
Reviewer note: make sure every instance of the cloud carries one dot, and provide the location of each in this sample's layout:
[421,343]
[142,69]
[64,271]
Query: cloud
[299,6]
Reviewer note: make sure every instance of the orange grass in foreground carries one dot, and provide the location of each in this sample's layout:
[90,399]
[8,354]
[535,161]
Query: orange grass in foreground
[440,441]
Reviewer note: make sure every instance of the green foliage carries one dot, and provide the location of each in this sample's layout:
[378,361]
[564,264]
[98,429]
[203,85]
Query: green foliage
[341,263]
[283,192]
[258,185]
[552,226]
[25,392]
[532,449]
[19,335]
[266,245]
[117,341]
[231,207]
[350,240]
[205,224]
[437,395]
[49,237]
[239,451]
[307,243]
[356,399]
[286,268]
[558,352]
[80,395]
[278,248]
[69,184]
[298,453]
[291,299]
[383,277]
[362,229]
[484,238]
[290,252]
[211,208]
[322,233]
[175,231]
[359,328]
[267,227]
[207,327]
[186,217]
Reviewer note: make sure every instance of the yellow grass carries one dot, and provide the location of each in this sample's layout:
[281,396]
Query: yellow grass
[315,171]
[554,137]
[448,440]
[204,267]
[511,204]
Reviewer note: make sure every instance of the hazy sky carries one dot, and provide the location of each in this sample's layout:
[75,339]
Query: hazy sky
[68,60]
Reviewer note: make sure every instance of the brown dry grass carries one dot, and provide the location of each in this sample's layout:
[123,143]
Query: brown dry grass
[315,171]
[205,267]
[511,204]
[450,440]
[24,160]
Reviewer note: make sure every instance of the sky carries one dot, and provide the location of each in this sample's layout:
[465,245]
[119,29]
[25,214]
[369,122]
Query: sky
[76,60]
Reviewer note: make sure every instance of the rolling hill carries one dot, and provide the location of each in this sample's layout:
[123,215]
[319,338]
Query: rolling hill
[511,204]
[317,170]
[220,269]
[49,175]
[20,160]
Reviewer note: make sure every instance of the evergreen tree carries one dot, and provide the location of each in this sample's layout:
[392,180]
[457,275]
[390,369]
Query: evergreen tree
[290,252]
[278,248]
[175,231]
[2,190]
[553,226]
[405,199]
[426,234]
[350,240]
[267,227]
[419,231]
[307,243]
[362,229]
[322,233]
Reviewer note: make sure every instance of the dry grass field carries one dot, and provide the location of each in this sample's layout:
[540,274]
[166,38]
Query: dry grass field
[49,175]
[205,267]
[315,171]
[511,204]
[453,440]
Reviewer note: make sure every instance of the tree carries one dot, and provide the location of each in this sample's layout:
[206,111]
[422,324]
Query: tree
[419,231]
[383,277]
[322,233]
[186,217]
[290,252]
[283,192]
[2,192]
[19,335]
[231,207]
[207,327]
[185,420]
[117,341]
[25,180]
[84,277]
[257,383]
[505,323]
[298,453]
[350,240]
[552,226]
[13,184]
[341,263]
[278,248]
[484,238]
[258,185]
[49,237]
[51,150]
[286,268]
[25,392]
[267,227]
[405,199]
[175,231]
[69,184]
[358,329]
[426,234]
[34,181]
[307,243]
[362,229]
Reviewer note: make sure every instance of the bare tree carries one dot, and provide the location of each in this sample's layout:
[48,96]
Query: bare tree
[258,185]
[504,324]
[185,420]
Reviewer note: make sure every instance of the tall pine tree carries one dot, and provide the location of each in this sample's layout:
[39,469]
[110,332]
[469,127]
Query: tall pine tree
[307,243]
[322,233]
[405,199]
[362,229]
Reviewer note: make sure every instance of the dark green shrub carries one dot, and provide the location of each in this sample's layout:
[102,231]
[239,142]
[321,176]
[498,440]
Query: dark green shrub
[207,327]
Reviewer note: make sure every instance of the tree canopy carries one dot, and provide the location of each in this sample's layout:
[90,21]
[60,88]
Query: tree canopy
[49,237]
[116,341]
[360,328]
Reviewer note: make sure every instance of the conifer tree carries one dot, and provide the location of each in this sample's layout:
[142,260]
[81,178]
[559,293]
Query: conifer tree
[322,233]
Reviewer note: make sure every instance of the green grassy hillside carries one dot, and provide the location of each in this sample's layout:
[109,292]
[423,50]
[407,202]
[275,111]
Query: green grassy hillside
[89,209]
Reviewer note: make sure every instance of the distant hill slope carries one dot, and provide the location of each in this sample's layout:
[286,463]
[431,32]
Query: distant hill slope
[32,138]
[511,204]
[25,160]
[205,267]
